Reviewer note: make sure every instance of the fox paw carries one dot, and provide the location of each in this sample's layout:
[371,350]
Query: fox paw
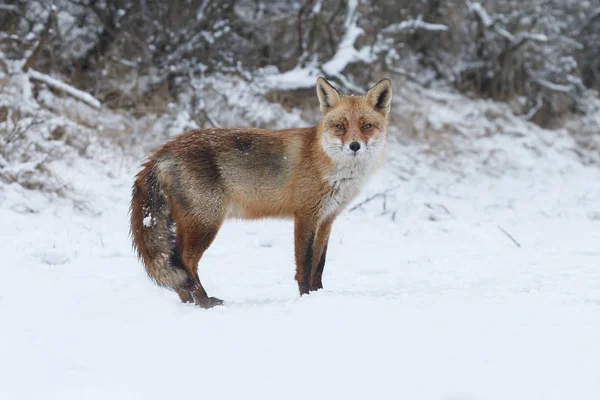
[209,302]
[314,286]
[303,288]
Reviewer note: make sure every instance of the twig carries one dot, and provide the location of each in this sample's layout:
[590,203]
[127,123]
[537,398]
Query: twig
[509,236]
[375,196]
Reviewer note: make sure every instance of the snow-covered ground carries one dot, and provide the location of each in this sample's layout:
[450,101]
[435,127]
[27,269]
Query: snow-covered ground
[477,278]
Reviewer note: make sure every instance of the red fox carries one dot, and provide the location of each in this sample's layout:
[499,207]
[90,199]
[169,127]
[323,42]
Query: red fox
[191,184]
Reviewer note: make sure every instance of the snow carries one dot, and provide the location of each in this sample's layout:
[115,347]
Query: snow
[422,308]
[426,296]
[414,24]
[538,37]
[55,83]
[554,86]
[346,54]
[9,7]
[295,78]
[478,9]
[487,22]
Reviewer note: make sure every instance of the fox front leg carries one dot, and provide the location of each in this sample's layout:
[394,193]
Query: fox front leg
[304,242]
[320,252]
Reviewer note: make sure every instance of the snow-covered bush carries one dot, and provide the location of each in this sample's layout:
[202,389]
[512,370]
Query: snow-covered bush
[158,68]
[142,54]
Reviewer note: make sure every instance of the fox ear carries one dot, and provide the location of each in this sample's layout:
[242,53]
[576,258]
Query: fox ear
[328,95]
[380,96]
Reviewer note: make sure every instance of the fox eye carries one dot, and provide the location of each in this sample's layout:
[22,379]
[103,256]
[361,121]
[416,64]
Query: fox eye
[340,127]
[367,126]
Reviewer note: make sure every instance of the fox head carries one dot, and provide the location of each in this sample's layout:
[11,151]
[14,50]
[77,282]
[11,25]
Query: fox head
[354,127]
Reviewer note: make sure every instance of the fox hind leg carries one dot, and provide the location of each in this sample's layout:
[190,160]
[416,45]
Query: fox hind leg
[185,296]
[193,240]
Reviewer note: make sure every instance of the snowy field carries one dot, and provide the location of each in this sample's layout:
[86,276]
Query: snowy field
[468,269]
[427,299]
[456,275]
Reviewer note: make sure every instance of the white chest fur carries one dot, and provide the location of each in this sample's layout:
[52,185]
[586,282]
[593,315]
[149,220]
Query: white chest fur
[345,183]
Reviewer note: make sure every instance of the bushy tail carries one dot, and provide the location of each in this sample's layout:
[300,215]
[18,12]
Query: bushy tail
[153,230]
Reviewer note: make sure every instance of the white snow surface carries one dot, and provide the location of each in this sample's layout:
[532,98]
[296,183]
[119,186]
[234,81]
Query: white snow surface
[426,296]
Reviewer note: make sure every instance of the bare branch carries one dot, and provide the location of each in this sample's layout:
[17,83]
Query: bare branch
[58,85]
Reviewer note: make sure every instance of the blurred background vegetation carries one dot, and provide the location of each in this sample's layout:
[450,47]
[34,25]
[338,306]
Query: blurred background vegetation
[140,55]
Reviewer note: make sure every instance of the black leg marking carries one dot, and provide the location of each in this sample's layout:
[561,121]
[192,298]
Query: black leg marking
[320,268]
[307,264]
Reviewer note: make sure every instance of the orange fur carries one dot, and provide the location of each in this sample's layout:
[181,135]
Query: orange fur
[190,185]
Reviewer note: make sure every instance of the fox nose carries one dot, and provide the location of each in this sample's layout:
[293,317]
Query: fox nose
[355,146]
